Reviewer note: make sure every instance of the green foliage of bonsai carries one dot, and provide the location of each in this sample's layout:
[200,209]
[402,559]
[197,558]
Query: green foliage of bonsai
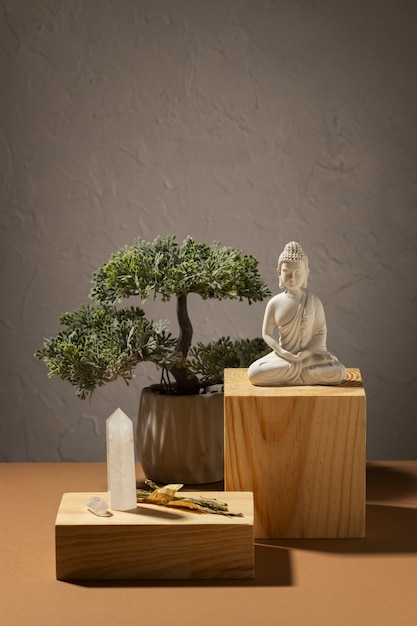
[98,345]
[101,342]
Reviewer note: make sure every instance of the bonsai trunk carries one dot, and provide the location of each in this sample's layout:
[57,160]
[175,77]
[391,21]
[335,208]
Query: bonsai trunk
[185,384]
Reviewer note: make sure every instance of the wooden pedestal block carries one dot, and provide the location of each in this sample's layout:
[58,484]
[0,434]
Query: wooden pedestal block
[154,542]
[301,450]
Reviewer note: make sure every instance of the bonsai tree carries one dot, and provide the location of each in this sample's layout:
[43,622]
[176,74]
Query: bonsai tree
[101,341]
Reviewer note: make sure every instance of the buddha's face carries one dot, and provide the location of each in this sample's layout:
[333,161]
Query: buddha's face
[293,275]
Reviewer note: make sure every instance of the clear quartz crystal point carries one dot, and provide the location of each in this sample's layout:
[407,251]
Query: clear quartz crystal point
[121,475]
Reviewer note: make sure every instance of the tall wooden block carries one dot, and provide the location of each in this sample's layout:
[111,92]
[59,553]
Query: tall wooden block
[302,452]
[154,542]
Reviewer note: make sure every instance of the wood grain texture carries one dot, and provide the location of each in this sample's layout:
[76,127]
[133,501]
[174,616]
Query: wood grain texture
[302,451]
[154,542]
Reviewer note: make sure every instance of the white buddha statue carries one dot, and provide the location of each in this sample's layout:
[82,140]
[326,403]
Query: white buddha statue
[299,354]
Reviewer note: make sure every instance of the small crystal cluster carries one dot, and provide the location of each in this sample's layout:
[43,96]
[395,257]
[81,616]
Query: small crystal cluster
[97,506]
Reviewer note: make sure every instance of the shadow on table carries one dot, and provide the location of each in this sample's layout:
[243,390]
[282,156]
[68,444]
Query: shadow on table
[389,530]
[384,482]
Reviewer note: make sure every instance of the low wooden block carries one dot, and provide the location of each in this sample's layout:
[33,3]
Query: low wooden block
[302,452]
[154,542]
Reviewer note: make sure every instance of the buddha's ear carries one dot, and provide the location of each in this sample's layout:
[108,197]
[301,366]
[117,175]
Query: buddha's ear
[304,285]
[280,279]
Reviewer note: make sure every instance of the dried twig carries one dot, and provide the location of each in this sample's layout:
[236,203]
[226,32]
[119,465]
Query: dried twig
[166,496]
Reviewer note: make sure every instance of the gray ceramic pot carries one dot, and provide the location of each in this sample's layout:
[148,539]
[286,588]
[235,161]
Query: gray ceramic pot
[180,439]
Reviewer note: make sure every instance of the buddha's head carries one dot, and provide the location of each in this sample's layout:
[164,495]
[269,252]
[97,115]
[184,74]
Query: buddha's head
[293,253]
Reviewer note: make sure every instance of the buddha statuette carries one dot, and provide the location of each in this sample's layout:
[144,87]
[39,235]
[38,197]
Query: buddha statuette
[294,327]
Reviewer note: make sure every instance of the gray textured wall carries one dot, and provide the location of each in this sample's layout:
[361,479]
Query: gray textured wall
[249,122]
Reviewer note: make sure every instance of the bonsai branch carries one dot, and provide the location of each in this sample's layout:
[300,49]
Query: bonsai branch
[186,384]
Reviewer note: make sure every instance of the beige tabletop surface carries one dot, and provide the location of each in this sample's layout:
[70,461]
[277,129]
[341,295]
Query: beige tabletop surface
[344,582]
